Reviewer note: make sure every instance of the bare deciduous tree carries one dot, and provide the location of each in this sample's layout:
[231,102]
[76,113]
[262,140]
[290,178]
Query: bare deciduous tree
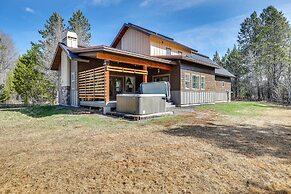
[8,55]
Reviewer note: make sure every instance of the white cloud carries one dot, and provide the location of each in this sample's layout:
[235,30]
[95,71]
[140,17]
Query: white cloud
[211,37]
[29,10]
[106,2]
[174,5]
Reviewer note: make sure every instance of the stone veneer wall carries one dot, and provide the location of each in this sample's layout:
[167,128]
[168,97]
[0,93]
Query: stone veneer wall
[65,95]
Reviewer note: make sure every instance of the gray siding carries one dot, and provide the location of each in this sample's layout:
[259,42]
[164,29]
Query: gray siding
[191,96]
[136,41]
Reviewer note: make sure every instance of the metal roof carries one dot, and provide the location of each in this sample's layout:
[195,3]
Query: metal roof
[223,72]
[196,58]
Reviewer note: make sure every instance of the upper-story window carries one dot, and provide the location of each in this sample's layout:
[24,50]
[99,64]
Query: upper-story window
[168,51]
[180,53]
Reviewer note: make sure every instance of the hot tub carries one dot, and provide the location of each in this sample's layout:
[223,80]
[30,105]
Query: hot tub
[141,104]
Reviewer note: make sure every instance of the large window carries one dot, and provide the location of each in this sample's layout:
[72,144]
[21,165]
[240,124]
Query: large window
[195,82]
[202,82]
[187,80]
[168,51]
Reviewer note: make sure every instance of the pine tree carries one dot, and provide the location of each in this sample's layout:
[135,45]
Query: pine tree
[274,38]
[7,89]
[29,82]
[79,24]
[249,45]
[216,58]
[232,61]
[51,36]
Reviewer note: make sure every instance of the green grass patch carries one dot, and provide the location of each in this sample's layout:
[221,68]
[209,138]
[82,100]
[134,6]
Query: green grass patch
[237,108]
[44,111]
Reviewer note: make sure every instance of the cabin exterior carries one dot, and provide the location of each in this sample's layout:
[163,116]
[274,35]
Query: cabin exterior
[93,76]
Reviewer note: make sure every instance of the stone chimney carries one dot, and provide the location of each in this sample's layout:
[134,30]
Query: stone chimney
[71,39]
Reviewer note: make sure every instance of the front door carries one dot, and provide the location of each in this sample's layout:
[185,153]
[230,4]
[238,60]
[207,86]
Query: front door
[116,86]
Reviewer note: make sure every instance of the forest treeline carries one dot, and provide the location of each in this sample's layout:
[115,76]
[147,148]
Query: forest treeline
[261,61]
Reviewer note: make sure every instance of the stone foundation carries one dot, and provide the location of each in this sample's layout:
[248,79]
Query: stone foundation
[65,96]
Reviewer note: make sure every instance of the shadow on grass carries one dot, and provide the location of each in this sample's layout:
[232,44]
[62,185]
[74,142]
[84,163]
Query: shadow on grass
[46,111]
[247,140]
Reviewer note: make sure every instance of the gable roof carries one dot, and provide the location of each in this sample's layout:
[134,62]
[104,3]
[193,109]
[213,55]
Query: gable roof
[224,73]
[77,54]
[126,26]
[57,56]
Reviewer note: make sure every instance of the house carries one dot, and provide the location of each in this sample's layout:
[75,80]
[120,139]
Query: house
[93,76]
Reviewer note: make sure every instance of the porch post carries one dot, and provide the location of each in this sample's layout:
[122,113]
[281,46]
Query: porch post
[106,84]
[145,76]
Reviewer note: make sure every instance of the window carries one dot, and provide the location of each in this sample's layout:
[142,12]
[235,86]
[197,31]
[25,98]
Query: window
[187,80]
[195,82]
[168,51]
[222,83]
[129,84]
[202,82]
[180,53]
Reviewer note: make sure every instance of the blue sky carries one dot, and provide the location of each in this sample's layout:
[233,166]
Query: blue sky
[205,25]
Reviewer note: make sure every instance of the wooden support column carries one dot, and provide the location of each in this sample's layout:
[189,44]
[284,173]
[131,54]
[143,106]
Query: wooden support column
[106,84]
[145,76]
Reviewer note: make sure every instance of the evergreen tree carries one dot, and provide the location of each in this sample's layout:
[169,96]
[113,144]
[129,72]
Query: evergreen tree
[232,61]
[274,39]
[7,89]
[29,82]
[249,45]
[51,36]
[216,58]
[79,24]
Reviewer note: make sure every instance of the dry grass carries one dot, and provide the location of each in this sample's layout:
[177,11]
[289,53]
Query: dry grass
[194,152]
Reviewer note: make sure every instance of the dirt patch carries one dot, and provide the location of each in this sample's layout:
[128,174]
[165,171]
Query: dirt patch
[194,152]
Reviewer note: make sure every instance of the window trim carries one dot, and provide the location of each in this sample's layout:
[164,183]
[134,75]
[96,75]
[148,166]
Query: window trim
[196,75]
[185,85]
[202,76]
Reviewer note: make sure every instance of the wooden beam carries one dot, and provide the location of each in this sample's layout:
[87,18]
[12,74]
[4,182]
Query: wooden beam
[106,88]
[131,60]
[145,76]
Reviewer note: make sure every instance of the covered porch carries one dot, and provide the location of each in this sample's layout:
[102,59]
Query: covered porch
[109,74]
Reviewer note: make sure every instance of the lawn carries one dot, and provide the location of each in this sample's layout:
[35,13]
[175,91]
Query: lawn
[240,147]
